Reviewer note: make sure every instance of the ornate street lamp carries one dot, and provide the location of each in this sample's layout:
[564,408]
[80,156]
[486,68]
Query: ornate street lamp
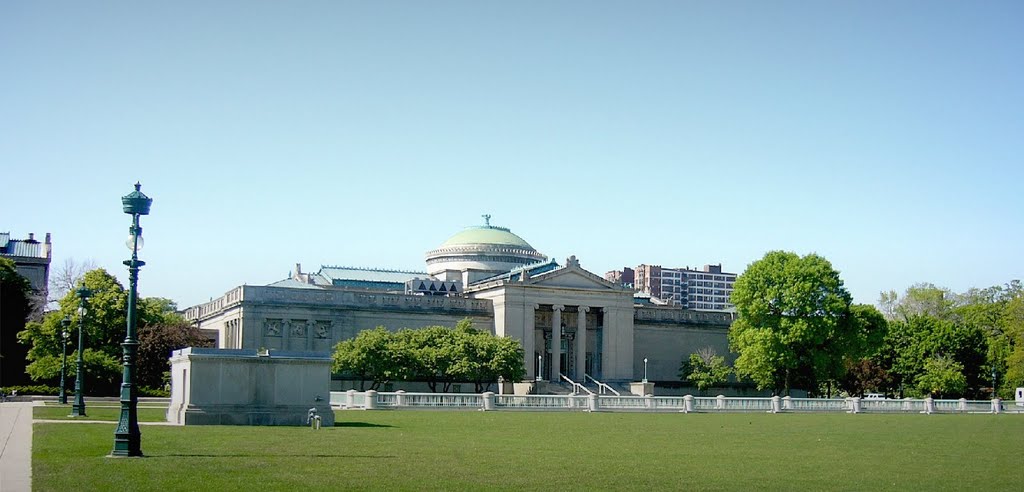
[127,438]
[64,335]
[78,408]
[645,369]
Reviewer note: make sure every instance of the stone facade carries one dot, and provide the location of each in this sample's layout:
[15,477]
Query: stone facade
[570,321]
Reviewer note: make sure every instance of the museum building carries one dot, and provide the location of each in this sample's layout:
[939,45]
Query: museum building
[570,321]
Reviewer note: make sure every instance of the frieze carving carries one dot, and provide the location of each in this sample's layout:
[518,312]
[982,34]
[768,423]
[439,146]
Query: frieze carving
[323,329]
[298,327]
[272,327]
[682,316]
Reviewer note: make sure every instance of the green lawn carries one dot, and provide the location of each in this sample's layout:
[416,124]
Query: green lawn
[96,412]
[414,450]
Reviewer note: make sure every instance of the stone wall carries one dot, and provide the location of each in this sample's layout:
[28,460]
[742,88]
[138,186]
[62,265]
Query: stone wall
[243,387]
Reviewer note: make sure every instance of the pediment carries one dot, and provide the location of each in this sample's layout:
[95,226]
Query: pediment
[572,277]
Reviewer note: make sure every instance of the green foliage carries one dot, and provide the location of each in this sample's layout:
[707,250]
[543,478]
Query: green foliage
[105,326]
[865,375]
[704,369]
[15,307]
[146,391]
[31,389]
[367,357]
[436,355]
[911,344]
[943,377]
[156,342]
[794,327]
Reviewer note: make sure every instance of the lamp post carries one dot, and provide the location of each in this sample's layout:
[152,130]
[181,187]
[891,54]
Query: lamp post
[993,382]
[645,369]
[78,408]
[540,366]
[127,438]
[64,335]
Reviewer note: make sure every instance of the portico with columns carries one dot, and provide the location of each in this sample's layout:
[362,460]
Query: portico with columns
[570,321]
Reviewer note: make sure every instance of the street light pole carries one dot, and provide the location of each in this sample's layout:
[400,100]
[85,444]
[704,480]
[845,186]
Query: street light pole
[993,382]
[645,369]
[78,408]
[127,438]
[64,335]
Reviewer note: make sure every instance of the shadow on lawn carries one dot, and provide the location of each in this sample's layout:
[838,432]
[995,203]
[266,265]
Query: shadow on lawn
[358,424]
[268,455]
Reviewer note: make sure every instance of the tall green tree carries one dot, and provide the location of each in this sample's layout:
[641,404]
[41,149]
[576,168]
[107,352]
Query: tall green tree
[15,306]
[105,326]
[794,322]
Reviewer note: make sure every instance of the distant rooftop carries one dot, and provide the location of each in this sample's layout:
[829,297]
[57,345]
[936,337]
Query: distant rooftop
[27,248]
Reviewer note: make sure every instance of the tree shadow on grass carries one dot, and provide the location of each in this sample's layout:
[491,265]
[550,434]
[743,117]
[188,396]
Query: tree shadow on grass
[267,455]
[359,424]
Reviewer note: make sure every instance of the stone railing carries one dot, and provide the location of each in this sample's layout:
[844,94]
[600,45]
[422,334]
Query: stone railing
[373,400]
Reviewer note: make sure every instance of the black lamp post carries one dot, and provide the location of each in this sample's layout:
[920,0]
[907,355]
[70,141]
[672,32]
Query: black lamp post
[64,335]
[127,438]
[993,382]
[78,408]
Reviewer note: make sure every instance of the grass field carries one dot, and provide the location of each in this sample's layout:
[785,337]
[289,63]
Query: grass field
[97,412]
[415,450]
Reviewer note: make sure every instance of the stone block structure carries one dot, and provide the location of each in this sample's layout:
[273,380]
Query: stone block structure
[246,387]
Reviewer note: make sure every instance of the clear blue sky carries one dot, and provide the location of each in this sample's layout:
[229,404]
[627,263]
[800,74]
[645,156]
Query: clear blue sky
[886,136]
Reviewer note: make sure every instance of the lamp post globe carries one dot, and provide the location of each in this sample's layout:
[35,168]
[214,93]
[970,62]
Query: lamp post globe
[127,438]
[78,407]
[64,336]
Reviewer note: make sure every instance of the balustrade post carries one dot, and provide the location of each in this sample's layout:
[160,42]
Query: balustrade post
[963,405]
[400,398]
[776,404]
[350,398]
[687,403]
[997,406]
[593,403]
[720,402]
[855,405]
[488,401]
[371,400]
[929,405]
[649,401]
[787,402]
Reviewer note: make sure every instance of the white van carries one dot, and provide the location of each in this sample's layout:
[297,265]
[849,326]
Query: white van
[1019,396]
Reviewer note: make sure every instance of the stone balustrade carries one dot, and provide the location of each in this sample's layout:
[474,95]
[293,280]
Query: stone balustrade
[686,404]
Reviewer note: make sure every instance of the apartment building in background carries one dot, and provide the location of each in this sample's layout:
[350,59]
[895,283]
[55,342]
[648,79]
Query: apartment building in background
[706,289]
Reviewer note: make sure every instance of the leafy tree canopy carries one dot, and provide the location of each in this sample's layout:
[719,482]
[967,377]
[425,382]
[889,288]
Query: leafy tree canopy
[794,326]
[437,355]
[704,369]
[104,330]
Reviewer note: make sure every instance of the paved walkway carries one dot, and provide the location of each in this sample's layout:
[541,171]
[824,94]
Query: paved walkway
[16,446]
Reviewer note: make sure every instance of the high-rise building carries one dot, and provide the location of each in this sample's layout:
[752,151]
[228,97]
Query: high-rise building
[707,289]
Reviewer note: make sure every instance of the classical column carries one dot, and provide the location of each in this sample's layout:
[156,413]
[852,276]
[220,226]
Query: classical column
[581,344]
[556,342]
[529,341]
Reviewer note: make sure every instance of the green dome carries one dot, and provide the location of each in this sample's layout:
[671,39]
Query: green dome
[486,234]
